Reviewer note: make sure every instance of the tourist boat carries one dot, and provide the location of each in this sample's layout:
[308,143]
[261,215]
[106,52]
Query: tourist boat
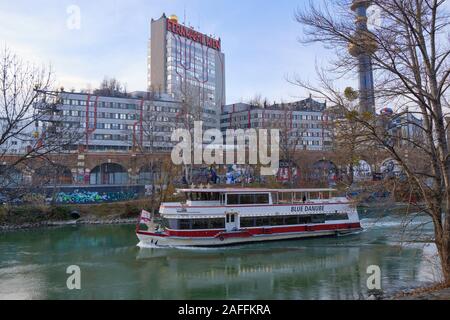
[221,217]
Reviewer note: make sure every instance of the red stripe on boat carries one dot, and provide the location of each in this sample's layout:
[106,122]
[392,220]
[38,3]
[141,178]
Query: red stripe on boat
[253,232]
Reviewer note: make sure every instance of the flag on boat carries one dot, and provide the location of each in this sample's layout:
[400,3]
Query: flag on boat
[146,217]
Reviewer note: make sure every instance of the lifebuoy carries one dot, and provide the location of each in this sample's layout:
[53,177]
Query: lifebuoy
[222,239]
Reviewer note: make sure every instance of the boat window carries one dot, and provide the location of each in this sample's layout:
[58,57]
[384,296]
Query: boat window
[285,197]
[233,218]
[248,222]
[263,222]
[298,197]
[314,196]
[199,224]
[215,196]
[304,220]
[184,225]
[262,198]
[247,199]
[171,224]
[275,198]
[233,199]
[291,220]
[281,221]
[194,224]
[319,218]
[306,197]
[337,216]
[277,221]
[217,223]
[326,195]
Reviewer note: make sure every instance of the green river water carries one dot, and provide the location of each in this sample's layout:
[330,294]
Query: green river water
[33,265]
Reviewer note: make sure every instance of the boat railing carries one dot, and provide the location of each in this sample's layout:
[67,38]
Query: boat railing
[203,203]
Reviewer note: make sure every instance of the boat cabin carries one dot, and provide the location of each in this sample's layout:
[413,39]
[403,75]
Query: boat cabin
[246,197]
[233,209]
[218,216]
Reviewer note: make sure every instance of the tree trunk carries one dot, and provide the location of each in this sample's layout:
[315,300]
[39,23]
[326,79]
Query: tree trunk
[444,250]
[446,247]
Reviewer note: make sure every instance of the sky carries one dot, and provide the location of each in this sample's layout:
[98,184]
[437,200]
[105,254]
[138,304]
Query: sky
[259,39]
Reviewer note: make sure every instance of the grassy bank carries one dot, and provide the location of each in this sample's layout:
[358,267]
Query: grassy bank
[31,215]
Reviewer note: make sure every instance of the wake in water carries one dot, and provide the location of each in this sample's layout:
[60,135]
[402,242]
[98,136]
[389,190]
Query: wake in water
[385,223]
[152,246]
[142,245]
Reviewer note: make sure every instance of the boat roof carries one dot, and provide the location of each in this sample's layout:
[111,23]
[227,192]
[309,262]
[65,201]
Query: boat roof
[251,190]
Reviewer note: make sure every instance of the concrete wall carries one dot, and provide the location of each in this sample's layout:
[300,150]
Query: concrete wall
[158,53]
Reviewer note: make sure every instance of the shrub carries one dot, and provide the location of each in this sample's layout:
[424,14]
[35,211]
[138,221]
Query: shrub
[26,214]
[131,211]
[3,215]
[60,213]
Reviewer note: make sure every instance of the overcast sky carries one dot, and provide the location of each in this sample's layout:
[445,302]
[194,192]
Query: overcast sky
[259,39]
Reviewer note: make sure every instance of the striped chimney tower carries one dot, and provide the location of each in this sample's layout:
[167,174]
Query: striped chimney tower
[363,47]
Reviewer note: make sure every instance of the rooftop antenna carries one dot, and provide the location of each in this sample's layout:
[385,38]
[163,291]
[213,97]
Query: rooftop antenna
[184,22]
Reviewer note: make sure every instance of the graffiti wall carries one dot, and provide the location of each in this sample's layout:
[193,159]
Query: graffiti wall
[88,197]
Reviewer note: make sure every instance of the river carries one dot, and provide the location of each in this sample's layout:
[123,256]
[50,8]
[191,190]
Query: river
[33,265]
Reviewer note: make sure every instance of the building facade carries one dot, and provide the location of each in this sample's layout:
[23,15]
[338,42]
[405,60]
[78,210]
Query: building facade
[404,129]
[188,65]
[303,123]
[138,122]
[21,138]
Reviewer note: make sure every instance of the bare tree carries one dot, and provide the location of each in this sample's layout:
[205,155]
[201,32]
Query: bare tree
[291,138]
[30,127]
[192,107]
[19,88]
[258,101]
[410,52]
[111,87]
[348,139]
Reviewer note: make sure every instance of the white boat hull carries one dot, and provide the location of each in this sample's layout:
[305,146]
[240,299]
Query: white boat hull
[147,240]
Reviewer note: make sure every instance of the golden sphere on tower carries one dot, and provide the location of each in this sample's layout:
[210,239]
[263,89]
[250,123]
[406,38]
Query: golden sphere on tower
[363,42]
[173,18]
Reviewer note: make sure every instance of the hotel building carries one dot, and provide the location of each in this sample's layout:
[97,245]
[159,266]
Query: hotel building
[183,62]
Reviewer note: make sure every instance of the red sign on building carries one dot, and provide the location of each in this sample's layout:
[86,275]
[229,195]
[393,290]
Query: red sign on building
[193,35]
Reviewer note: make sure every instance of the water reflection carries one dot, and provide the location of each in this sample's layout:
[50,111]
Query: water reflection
[313,269]
[33,266]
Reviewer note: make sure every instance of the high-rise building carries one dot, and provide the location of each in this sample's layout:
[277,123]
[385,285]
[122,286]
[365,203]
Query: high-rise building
[183,62]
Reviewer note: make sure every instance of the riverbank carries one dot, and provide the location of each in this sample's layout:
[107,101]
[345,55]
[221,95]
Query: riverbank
[40,216]
[52,224]
[437,292]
